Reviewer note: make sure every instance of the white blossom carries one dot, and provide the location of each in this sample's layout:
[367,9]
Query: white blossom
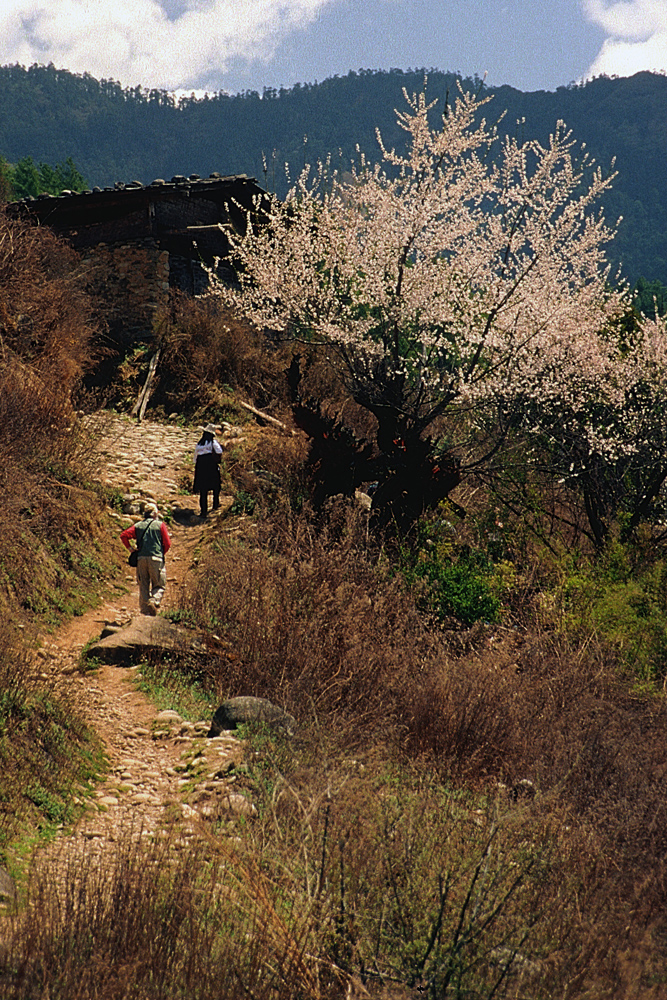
[468,274]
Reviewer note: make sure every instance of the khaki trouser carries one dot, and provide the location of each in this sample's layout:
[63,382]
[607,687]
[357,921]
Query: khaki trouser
[152,579]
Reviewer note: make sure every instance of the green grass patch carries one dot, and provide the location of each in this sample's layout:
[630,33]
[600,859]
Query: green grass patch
[243,503]
[169,687]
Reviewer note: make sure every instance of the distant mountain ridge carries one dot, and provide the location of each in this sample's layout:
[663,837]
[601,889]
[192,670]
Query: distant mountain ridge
[115,134]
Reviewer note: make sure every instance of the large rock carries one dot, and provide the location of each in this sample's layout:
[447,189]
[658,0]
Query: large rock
[144,635]
[236,711]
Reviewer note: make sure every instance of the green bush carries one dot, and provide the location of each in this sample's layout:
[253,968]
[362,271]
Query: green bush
[53,808]
[454,580]
[461,589]
[244,503]
[623,605]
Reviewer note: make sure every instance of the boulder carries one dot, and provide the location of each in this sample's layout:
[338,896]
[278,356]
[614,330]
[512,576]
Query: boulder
[143,635]
[236,711]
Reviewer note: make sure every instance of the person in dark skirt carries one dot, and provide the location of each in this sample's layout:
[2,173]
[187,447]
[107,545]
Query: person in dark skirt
[208,456]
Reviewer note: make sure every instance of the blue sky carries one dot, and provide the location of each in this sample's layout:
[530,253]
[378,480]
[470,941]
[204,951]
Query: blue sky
[237,45]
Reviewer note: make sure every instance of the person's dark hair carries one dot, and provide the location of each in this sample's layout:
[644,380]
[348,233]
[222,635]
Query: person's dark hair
[206,438]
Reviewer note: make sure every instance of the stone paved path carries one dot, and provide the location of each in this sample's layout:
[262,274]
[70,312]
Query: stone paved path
[164,775]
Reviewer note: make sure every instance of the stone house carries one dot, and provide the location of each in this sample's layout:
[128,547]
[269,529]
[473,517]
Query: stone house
[138,241]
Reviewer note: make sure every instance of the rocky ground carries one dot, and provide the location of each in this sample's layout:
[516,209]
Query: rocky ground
[164,774]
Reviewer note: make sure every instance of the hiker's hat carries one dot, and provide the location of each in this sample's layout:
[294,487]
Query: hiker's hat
[150,510]
[210,429]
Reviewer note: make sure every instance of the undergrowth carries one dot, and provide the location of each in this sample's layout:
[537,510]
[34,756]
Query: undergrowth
[473,803]
[51,563]
[47,754]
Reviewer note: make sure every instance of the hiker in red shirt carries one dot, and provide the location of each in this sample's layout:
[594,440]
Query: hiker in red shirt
[152,542]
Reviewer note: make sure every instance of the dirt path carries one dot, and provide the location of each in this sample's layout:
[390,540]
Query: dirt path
[174,775]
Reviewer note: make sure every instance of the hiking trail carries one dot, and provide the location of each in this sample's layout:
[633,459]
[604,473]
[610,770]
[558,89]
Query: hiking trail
[148,790]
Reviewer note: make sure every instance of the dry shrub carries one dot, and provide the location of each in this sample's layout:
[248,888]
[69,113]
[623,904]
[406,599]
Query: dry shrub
[205,347]
[44,312]
[373,883]
[376,881]
[44,337]
[50,534]
[464,719]
[312,623]
[44,455]
[150,923]
[378,847]
[560,717]
[500,701]
[269,468]
[413,884]
[49,518]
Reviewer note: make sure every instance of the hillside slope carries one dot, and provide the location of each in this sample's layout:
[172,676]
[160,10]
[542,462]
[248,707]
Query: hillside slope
[116,134]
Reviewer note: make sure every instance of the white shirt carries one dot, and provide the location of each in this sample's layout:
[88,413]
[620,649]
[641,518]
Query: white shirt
[208,448]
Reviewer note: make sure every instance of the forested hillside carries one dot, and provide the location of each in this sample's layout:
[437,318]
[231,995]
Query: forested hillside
[114,134]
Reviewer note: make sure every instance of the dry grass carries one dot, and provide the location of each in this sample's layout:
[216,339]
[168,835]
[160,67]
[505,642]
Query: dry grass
[359,878]
[157,923]
[307,618]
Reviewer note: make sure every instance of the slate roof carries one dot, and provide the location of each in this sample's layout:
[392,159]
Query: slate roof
[71,211]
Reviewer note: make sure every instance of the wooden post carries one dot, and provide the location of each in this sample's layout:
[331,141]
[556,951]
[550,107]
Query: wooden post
[139,407]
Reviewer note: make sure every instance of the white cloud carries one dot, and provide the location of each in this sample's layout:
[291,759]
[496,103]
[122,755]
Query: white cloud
[170,44]
[637,36]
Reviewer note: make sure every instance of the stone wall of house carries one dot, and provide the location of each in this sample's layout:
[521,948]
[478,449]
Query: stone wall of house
[126,227]
[130,281]
[187,275]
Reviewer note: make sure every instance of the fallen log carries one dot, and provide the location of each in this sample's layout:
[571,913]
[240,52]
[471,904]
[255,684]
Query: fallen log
[269,419]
